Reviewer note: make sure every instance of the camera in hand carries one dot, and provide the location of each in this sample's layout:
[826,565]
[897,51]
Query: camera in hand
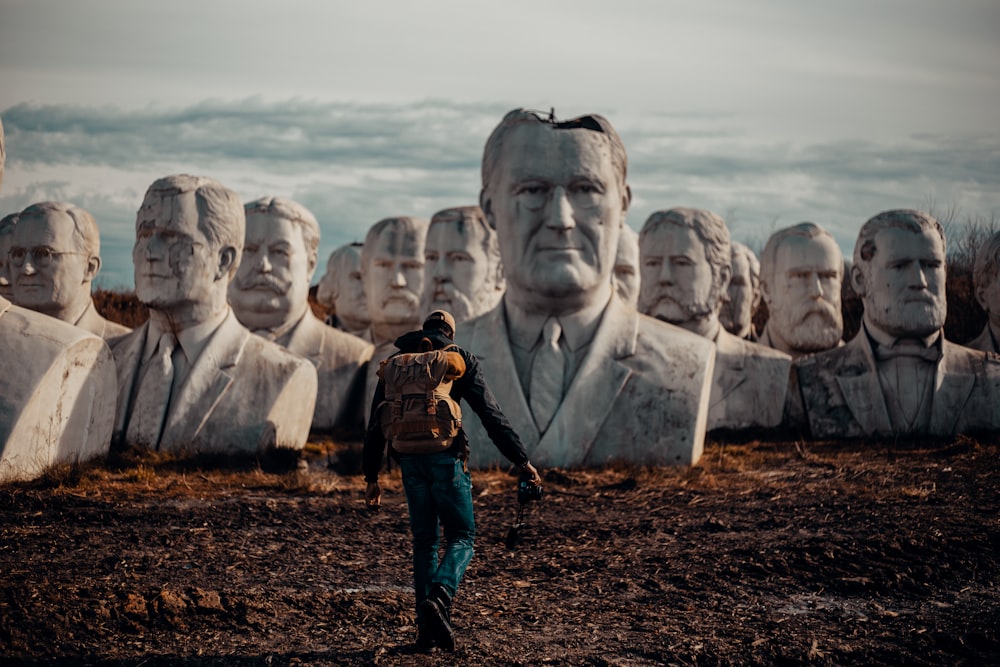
[526,491]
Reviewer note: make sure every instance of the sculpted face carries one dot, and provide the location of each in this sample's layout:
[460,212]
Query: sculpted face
[904,287]
[272,281]
[558,208]
[804,300]
[394,276]
[460,277]
[737,312]
[677,282]
[626,271]
[66,278]
[175,263]
[343,287]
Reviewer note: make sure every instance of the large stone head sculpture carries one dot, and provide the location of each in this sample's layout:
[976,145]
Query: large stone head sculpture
[684,255]
[555,192]
[985,277]
[626,271]
[342,288]
[271,287]
[189,236]
[743,294]
[54,256]
[7,224]
[463,273]
[899,272]
[392,263]
[801,271]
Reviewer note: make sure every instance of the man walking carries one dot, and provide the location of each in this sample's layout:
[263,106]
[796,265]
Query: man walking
[438,485]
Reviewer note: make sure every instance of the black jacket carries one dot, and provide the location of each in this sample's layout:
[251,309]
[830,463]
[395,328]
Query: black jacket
[471,388]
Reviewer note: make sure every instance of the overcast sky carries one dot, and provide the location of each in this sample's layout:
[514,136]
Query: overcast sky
[768,113]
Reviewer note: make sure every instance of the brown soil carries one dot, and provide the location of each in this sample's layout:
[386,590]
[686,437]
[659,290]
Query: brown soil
[773,553]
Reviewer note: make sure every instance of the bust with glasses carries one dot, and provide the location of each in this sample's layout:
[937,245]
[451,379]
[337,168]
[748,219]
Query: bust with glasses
[582,376]
[193,379]
[54,255]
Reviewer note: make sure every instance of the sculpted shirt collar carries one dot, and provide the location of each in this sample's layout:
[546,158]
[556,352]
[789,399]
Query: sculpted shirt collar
[192,340]
[577,328]
[878,337]
[280,333]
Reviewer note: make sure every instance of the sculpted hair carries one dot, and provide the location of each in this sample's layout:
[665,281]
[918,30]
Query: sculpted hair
[86,236]
[805,230]
[520,117]
[908,219]
[294,212]
[339,262]
[752,261]
[220,212]
[987,264]
[415,226]
[469,216]
[710,228]
[8,222]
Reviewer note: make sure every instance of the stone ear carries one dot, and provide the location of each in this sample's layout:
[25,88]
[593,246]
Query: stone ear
[486,204]
[858,281]
[93,266]
[981,298]
[227,260]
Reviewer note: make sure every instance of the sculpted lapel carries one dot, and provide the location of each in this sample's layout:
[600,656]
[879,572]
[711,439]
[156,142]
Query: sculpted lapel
[593,391]
[127,351]
[862,391]
[205,385]
[953,384]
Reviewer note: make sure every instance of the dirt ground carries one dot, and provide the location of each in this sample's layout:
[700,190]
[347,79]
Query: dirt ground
[764,553]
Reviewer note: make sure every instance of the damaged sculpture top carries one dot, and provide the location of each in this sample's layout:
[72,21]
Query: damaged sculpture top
[685,258]
[899,376]
[7,224]
[270,296]
[54,254]
[392,264]
[463,271]
[801,270]
[192,378]
[583,377]
[986,278]
[744,293]
[626,271]
[342,290]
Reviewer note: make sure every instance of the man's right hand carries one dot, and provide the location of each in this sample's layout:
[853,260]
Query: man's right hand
[536,479]
[373,496]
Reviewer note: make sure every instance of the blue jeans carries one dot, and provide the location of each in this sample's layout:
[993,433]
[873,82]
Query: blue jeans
[438,493]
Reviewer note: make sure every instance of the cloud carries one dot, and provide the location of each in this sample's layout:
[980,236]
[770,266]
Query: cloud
[353,164]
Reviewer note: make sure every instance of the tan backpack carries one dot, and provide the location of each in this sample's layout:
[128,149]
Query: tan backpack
[419,416]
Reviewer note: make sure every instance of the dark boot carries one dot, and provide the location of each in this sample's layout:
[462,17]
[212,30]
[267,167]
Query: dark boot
[437,614]
[425,641]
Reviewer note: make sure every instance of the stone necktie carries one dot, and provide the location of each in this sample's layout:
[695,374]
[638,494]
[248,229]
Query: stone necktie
[547,372]
[153,397]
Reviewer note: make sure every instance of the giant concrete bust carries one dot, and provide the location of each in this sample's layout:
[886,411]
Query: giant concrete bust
[55,253]
[986,279]
[7,224]
[192,378]
[899,376]
[57,393]
[801,271]
[342,289]
[684,254]
[743,294]
[270,296]
[583,377]
[463,273]
[392,264]
[626,271]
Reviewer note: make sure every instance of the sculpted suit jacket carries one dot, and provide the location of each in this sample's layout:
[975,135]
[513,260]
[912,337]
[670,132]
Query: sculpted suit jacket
[92,321]
[56,393]
[640,394]
[340,360]
[984,341]
[242,395]
[842,398]
[748,385]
